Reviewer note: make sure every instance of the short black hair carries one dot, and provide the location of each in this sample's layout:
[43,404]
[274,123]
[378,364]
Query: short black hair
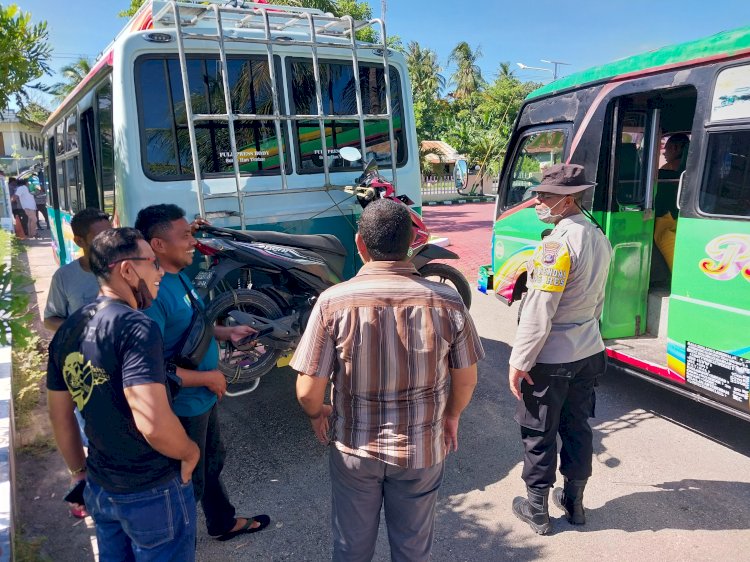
[112,245]
[386,229]
[83,219]
[154,220]
[679,139]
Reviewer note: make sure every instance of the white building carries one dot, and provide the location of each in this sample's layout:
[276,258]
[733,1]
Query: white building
[20,142]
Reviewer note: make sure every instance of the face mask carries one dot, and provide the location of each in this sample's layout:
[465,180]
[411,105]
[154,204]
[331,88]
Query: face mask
[143,298]
[545,213]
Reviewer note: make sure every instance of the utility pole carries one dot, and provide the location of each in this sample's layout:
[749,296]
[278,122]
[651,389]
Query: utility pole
[383,9]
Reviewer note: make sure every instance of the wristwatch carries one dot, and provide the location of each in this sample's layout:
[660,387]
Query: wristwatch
[77,471]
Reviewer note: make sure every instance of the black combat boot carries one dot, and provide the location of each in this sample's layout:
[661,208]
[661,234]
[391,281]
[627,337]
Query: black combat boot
[534,510]
[570,500]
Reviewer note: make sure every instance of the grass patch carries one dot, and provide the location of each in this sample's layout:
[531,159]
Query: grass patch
[40,446]
[29,365]
[28,550]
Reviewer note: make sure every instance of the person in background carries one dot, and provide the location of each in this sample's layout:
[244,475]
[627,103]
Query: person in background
[28,204]
[401,353]
[171,238]
[74,285]
[18,212]
[665,201]
[107,360]
[40,198]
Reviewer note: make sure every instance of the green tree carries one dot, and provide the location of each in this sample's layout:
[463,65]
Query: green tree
[468,76]
[130,12]
[24,54]
[73,75]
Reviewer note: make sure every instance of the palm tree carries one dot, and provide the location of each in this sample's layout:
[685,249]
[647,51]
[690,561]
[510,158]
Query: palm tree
[424,70]
[504,71]
[468,76]
[73,75]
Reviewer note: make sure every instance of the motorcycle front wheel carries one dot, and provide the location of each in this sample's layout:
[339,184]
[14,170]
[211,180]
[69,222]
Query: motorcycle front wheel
[246,363]
[444,273]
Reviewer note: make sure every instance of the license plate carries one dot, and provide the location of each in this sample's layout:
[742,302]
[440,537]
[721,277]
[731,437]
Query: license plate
[203,278]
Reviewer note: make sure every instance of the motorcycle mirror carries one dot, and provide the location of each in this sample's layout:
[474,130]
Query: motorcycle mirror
[460,173]
[405,199]
[372,164]
[350,154]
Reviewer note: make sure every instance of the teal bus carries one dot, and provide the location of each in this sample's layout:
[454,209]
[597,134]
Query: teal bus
[666,137]
[273,93]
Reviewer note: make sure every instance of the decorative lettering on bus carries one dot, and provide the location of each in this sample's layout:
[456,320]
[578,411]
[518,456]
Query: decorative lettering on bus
[245,156]
[728,257]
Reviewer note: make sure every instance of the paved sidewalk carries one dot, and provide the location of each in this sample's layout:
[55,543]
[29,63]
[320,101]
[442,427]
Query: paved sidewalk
[469,229]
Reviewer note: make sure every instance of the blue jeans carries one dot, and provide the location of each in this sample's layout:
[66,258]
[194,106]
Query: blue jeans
[157,524]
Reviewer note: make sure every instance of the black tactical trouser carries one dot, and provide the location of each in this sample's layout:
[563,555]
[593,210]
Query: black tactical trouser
[561,400]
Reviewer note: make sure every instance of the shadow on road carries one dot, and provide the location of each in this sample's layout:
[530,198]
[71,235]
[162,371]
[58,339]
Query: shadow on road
[687,504]
[638,400]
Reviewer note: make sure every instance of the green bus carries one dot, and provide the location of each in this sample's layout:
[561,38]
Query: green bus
[666,137]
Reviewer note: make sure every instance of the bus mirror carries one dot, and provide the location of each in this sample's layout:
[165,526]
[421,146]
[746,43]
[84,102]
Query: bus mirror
[350,154]
[460,173]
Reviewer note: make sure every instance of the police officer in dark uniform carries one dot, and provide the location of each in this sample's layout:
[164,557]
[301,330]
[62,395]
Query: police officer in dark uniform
[558,352]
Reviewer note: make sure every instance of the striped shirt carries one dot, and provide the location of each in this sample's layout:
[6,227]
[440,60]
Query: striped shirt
[387,339]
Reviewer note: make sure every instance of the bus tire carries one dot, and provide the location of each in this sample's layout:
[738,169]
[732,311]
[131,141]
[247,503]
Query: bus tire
[445,272]
[255,302]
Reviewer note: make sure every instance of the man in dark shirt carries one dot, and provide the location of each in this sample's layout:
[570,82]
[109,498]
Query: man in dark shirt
[171,238]
[140,459]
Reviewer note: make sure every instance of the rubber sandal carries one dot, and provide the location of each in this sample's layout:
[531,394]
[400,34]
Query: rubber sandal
[246,529]
[78,513]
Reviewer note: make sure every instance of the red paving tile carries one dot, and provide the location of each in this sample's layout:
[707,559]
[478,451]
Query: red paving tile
[468,226]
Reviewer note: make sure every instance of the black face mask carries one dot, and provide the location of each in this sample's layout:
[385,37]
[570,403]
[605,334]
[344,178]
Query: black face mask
[143,298]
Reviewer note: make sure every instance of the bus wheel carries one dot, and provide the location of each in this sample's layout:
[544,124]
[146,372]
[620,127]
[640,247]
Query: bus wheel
[446,274]
[249,362]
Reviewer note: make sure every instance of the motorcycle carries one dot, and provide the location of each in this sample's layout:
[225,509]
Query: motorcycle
[271,280]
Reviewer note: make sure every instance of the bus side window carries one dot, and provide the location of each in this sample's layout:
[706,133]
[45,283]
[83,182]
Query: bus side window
[629,188]
[62,186]
[726,183]
[105,147]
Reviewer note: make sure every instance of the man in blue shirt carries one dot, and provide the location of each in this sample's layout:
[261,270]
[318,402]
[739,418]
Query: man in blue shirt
[171,238]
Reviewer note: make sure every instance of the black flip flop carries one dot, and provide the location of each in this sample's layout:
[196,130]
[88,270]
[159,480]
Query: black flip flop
[247,528]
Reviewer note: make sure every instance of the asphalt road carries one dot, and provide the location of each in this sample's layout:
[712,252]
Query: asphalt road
[671,477]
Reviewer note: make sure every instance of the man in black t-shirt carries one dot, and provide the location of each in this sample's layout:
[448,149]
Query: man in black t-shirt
[111,367]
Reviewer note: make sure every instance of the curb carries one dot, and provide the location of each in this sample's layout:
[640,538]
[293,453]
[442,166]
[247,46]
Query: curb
[486,199]
[7,477]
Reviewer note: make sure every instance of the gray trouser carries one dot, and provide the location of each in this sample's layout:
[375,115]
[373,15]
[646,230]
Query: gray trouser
[361,486]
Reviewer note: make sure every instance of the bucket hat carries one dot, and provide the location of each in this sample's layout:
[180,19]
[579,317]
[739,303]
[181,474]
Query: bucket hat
[563,179]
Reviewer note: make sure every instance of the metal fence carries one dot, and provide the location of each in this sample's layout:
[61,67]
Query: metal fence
[444,185]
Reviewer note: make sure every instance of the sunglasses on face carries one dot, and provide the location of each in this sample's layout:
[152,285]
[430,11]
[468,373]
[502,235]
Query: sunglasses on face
[154,260]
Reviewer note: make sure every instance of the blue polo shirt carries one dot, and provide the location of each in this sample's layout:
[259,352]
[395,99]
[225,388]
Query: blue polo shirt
[172,311]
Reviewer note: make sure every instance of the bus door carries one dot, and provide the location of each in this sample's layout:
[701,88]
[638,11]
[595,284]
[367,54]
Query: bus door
[629,224]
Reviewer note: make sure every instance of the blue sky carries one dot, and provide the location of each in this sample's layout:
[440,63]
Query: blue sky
[581,32]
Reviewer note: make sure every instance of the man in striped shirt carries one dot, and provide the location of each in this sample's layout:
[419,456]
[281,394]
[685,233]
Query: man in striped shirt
[401,353]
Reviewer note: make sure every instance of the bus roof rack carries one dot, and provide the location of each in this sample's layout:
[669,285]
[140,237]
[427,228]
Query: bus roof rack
[252,16]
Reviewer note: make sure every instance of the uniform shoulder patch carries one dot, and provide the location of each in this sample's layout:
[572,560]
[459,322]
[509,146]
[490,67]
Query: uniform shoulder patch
[550,267]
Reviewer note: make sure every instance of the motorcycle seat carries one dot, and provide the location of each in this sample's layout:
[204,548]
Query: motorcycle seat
[315,242]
